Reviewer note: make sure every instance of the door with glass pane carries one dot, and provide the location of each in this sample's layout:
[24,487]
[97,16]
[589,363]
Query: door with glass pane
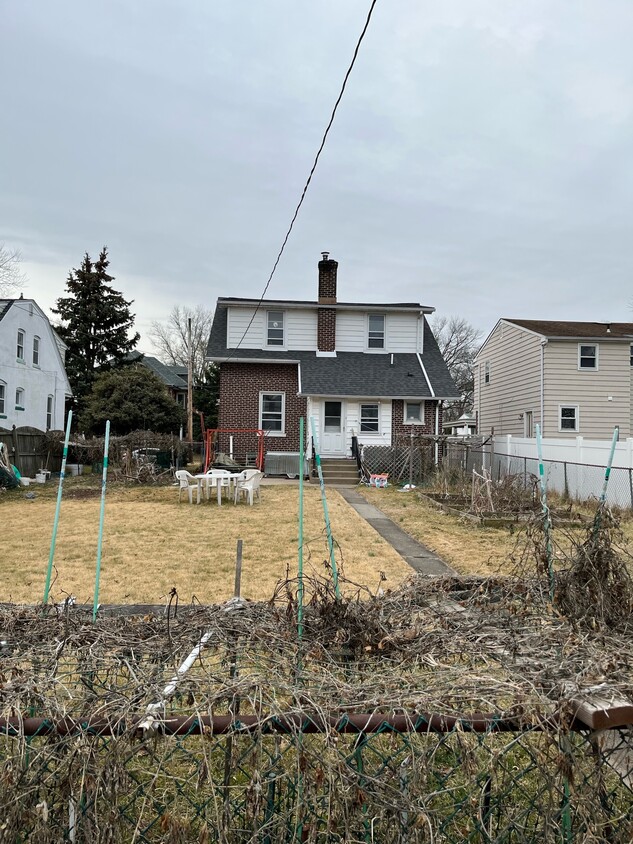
[332,429]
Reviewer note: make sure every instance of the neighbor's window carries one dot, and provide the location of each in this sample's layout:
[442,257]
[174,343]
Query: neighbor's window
[20,345]
[587,356]
[36,351]
[631,353]
[369,418]
[376,336]
[271,412]
[3,393]
[19,399]
[568,418]
[49,413]
[413,412]
[275,328]
[487,372]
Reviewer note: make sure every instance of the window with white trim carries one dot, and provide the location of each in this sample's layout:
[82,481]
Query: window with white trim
[568,417]
[20,345]
[19,398]
[272,410]
[49,413]
[631,355]
[369,419]
[487,372]
[275,326]
[3,394]
[587,356]
[376,331]
[36,351]
[413,412]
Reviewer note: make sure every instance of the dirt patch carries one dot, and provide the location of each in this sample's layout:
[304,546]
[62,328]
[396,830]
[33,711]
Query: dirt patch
[81,493]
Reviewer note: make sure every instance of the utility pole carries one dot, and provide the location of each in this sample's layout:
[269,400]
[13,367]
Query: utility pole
[189,384]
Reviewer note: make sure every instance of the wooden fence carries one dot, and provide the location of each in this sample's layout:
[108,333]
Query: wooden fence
[27,450]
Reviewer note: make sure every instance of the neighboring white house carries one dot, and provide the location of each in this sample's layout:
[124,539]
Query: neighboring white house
[573,378]
[33,381]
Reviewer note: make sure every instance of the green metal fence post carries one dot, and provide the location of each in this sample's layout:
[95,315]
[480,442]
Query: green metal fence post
[104,477]
[547,522]
[328,527]
[49,571]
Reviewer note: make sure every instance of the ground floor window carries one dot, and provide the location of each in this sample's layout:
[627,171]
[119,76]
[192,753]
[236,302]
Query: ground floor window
[568,418]
[369,419]
[413,412]
[272,412]
[49,413]
[19,399]
[2,397]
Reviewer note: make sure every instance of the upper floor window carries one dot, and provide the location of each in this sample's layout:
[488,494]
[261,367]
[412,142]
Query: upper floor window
[587,356]
[376,332]
[3,393]
[36,351]
[275,336]
[413,412]
[20,345]
[49,413]
[631,354]
[487,372]
[19,399]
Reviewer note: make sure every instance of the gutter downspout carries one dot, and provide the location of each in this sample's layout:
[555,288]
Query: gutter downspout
[543,344]
[437,432]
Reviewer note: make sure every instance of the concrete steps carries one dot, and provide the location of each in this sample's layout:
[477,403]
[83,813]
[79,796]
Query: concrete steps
[339,471]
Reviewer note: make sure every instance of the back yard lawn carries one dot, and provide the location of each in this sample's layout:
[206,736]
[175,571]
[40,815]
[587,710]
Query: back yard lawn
[152,543]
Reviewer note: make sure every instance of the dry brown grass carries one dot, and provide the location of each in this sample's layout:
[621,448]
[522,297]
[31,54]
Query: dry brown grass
[152,543]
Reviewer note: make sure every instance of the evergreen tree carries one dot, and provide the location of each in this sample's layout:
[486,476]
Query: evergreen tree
[96,323]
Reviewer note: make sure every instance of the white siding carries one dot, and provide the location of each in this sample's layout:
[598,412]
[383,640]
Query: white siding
[351,420]
[514,356]
[300,329]
[38,382]
[351,331]
[590,390]
[401,332]
[238,320]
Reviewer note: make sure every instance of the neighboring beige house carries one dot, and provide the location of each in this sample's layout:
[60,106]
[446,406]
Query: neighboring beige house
[573,378]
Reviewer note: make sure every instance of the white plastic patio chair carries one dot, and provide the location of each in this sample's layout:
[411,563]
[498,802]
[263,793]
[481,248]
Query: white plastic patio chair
[187,482]
[221,476]
[249,487]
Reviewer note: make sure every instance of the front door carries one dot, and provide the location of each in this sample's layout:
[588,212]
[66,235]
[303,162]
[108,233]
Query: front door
[332,429]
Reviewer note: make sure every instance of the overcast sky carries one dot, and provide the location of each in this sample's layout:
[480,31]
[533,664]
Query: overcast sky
[481,161]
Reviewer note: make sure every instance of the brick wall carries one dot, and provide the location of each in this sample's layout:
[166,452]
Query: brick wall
[240,386]
[397,415]
[326,330]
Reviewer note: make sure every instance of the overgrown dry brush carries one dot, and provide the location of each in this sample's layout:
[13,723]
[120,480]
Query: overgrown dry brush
[106,767]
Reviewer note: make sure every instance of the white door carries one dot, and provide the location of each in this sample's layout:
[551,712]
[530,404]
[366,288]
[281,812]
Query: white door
[332,429]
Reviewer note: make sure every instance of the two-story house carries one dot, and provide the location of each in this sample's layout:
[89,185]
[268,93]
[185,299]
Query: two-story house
[573,378]
[33,381]
[363,370]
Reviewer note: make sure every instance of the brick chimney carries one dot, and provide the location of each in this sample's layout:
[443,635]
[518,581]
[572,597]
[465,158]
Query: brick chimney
[326,324]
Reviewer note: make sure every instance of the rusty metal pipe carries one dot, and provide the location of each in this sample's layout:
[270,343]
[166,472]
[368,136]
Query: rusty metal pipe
[413,722]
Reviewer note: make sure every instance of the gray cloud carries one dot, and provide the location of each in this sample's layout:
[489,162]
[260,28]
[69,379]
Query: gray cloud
[480,161]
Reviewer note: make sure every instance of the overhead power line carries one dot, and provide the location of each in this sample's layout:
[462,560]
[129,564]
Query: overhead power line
[311,174]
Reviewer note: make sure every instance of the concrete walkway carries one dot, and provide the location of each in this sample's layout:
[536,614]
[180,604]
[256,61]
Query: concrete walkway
[417,555]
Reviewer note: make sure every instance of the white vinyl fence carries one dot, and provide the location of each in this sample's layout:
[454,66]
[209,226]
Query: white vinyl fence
[573,467]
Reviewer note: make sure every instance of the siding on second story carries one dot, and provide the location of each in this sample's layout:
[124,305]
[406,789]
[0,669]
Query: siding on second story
[403,332]
[602,395]
[507,381]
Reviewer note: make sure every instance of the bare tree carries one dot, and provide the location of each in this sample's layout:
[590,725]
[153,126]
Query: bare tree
[12,278]
[170,338]
[458,341]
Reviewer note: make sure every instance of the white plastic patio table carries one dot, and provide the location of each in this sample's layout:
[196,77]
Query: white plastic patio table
[219,477]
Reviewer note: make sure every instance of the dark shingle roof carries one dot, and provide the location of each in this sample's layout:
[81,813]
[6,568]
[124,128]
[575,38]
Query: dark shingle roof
[167,374]
[350,373]
[556,328]
[237,300]
[5,304]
